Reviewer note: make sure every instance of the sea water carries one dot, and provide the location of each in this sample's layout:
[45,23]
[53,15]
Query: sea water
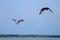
[29,38]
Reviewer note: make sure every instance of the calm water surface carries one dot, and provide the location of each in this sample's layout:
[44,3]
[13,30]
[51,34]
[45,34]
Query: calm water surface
[29,38]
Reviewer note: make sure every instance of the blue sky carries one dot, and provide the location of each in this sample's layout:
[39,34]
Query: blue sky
[46,23]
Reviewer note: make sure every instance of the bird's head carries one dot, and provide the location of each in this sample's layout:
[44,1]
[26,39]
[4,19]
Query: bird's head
[22,20]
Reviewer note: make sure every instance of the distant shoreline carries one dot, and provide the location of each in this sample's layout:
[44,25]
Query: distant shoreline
[28,36]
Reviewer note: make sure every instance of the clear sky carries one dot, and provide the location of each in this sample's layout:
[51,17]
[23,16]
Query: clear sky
[28,10]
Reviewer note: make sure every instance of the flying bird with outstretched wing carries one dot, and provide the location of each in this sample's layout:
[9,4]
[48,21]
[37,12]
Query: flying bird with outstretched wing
[19,21]
[45,8]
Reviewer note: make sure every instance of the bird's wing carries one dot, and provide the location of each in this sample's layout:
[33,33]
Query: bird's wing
[40,11]
[14,20]
[43,9]
[51,10]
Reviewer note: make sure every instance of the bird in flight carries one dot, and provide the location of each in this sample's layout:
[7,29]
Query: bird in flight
[45,8]
[19,21]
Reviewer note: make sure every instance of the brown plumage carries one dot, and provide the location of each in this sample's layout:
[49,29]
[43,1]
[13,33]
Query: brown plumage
[19,21]
[45,8]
